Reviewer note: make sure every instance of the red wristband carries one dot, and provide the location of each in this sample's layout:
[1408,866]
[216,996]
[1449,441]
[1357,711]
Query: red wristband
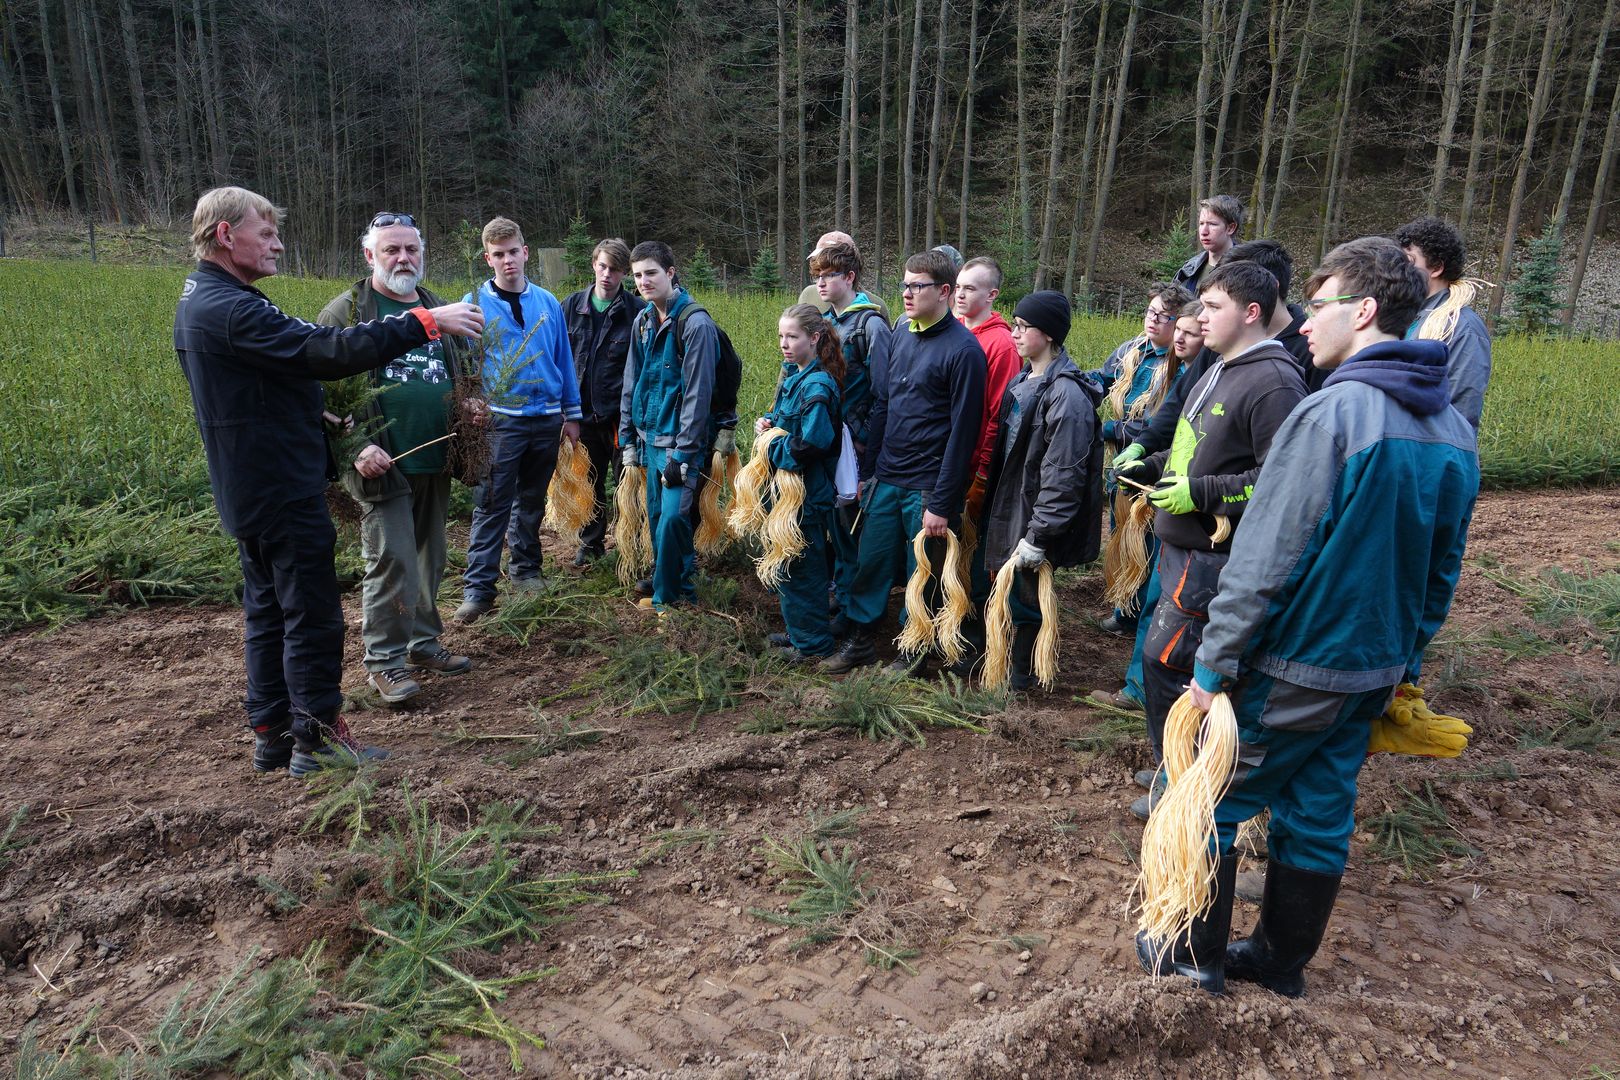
[425,317]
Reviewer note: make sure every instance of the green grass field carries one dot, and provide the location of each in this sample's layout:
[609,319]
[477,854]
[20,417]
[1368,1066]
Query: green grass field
[105,494]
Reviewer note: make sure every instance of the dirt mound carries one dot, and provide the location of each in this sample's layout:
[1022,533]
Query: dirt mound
[996,867]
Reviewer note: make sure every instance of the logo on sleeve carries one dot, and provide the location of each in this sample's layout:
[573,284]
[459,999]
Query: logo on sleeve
[1218,409]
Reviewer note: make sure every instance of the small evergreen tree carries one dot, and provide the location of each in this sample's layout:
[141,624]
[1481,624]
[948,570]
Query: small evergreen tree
[698,272]
[765,275]
[1537,295]
[1179,246]
[578,245]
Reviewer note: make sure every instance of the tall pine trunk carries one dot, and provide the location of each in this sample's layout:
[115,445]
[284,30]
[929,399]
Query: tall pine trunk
[781,137]
[1341,128]
[1521,177]
[907,186]
[1285,152]
[1025,219]
[1476,142]
[1054,160]
[935,149]
[967,126]
[1228,85]
[852,50]
[1594,210]
[882,143]
[801,153]
[1561,214]
[1462,38]
[1277,13]
[1077,221]
[1107,179]
[1206,72]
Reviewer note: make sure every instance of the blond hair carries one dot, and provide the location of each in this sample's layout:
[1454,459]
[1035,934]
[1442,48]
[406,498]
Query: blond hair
[232,205]
[501,228]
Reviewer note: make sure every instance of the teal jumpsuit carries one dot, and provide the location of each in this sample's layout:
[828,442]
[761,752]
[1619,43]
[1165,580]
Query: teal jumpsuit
[807,408]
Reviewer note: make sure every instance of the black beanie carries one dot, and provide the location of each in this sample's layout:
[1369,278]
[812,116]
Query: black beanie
[1048,312]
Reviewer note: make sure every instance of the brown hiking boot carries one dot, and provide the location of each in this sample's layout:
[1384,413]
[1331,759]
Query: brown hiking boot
[439,659]
[394,685]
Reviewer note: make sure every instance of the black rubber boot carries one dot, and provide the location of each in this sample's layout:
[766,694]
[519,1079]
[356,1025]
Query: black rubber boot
[1294,914]
[272,750]
[1023,658]
[1202,954]
[855,652]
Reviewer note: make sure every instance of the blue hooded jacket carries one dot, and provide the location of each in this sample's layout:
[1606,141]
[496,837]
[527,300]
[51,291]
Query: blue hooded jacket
[532,363]
[1344,565]
[807,408]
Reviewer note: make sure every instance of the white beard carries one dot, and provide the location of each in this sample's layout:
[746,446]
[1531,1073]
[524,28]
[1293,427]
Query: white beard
[402,282]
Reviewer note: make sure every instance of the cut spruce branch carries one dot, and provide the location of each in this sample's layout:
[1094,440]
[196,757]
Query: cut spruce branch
[423,446]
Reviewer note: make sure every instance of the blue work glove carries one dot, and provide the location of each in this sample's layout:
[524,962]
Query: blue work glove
[1026,556]
[1174,496]
[674,474]
[1132,453]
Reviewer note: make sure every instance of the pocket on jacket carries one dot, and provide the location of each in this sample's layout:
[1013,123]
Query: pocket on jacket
[1193,579]
[1173,638]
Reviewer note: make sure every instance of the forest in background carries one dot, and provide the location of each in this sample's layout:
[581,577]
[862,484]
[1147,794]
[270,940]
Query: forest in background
[1017,127]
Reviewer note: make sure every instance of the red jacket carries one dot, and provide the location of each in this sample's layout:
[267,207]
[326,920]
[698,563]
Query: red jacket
[995,338]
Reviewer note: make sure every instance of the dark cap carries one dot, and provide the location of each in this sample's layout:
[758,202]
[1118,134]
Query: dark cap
[1048,312]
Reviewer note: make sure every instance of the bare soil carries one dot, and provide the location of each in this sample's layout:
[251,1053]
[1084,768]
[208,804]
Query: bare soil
[148,835]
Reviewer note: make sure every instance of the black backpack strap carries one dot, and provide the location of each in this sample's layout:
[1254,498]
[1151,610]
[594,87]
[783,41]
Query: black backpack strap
[680,328]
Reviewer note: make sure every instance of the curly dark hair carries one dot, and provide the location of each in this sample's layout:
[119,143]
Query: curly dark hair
[1442,245]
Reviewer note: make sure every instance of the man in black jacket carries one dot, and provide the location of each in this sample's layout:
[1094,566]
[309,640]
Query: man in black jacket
[404,503]
[927,410]
[255,374]
[1222,436]
[599,319]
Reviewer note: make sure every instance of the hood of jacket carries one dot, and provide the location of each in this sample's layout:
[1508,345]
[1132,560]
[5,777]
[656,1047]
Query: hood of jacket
[1412,372]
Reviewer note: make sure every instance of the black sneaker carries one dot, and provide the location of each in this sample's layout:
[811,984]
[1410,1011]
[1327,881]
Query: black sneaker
[914,666]
[341,747]
[272,750]
[855,652]
[644,587]
[584,557]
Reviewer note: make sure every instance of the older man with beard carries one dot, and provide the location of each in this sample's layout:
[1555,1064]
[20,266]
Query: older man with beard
[405,503]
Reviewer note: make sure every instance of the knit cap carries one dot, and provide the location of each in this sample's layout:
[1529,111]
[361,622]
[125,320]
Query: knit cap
[1048,312]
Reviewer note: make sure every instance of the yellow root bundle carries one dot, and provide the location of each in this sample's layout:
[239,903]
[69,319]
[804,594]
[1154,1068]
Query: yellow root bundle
[1179,846]
[1223,529]
[918,633]
[748,490]
[712,523]
[1125,558]
[784,540]
[943,627]
[631,534]
[571,498]
[998,630]
[955,605]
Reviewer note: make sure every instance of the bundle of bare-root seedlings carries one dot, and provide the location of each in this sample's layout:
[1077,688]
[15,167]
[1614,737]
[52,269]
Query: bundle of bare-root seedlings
[1180,850]
[632,534]
[571,498]
[713,525]
[468,454]
[1125,557]
[767,503]
[940,629]
[998,633]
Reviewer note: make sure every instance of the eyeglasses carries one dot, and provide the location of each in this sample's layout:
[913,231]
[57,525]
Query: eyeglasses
[917,286]
[1317,305]
[1155,315]
[820,278]
[1019,326]
[387,218]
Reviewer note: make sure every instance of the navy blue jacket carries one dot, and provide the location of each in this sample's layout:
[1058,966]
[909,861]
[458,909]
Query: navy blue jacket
[255,387]
[927,412]
[601,346]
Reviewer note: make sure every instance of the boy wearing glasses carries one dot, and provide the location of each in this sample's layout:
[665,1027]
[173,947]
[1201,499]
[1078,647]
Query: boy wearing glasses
[406,503]
[1366,495]
[928,405]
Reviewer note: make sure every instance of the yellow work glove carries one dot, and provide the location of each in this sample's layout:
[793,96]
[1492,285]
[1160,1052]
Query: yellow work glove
[1409,726]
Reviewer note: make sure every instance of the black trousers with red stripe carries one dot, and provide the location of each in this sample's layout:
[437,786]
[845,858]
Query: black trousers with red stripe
[1187,583]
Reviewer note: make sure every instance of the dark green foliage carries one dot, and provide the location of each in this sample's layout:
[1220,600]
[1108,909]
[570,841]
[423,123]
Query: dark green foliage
[879,706]
[1179,246]
[578,244]
[8,843]
[1417,834]
[1538,296]
[649,675]
[1586,603]
[561,616]
[1116,731]
[765,275]
[697,272]
[61,561]
[344,792]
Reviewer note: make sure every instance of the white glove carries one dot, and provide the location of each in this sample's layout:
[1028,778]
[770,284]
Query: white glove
[1027,556]
[725,441]
[629,458]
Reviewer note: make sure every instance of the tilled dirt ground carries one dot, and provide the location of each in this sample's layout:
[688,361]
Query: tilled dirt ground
[1004,859]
